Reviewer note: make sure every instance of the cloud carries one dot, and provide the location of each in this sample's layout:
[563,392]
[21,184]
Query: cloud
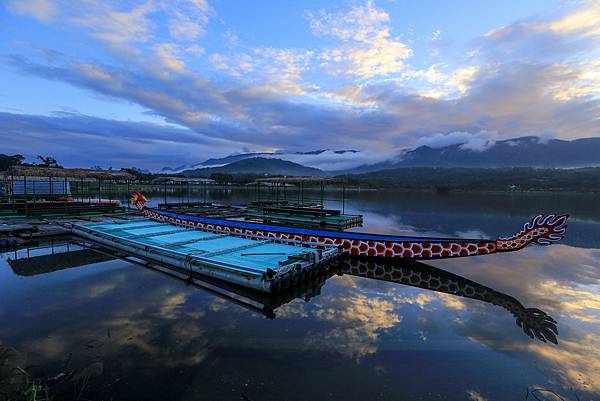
[546,39]
[477,142]
[585,21]
[114,23]
[270,70]
[358,322]
[511,101]
[105,142]
[577,362]
[579,303]
[357,90]
[111,25]
[43,10]
[169,55]
[368,49]
[335,161]
[188,19]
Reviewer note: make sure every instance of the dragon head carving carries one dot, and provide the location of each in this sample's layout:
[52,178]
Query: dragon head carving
[541,230]
[138,200]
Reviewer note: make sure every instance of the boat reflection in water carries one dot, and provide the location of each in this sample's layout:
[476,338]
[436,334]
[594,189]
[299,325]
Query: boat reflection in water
[534,322]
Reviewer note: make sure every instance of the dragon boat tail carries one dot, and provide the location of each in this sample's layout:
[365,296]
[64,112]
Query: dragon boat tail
[541,230]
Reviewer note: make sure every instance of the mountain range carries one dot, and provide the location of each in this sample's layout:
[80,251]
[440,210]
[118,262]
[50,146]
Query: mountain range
[221,161]
[528,151]
[257,165]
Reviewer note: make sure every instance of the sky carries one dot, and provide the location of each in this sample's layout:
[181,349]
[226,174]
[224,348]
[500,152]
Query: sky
[156,83]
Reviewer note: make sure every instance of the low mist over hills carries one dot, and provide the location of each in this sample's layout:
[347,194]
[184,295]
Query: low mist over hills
[527,151]
[518,152]
[257,165]
[315,158]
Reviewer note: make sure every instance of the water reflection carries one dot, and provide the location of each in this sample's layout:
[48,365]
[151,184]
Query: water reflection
[534,322]
[57,256]
[369,329]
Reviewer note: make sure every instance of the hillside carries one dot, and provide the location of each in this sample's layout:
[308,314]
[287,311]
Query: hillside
[527,151]
[291,156]
[483,179]
[257,165]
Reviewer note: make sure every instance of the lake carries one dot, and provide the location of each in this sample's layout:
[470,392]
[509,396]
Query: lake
[91,327]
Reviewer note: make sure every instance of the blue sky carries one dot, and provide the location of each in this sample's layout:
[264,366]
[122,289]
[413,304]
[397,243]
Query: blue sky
[154,82]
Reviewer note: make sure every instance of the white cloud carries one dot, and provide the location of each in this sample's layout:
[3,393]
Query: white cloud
[272,70]
[331,161]
[477,142]
[286,98]
[367,48]
[575,30]
[359,322]
[181,26]
[188,18]
[169,56]
[112,25]
[462,78]
[584,21]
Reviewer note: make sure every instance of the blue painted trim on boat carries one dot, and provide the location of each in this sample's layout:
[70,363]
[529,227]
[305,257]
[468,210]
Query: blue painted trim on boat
[302,231]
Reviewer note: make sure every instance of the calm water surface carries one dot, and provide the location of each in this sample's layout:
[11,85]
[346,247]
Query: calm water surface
[120,331]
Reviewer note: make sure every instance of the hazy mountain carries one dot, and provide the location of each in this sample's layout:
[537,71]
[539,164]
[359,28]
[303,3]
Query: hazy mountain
[257,165]
[229,159]
[527,151]
[221,161]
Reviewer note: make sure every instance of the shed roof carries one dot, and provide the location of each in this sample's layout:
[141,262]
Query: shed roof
[37,171]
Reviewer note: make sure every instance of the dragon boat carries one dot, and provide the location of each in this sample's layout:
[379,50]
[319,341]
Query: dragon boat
[541,230]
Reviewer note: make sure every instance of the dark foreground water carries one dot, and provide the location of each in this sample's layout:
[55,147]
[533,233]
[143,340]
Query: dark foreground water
[109,329]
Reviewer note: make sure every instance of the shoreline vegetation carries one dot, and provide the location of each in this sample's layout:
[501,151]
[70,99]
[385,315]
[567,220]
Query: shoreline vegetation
[406,179]
[517,179]
[440,180]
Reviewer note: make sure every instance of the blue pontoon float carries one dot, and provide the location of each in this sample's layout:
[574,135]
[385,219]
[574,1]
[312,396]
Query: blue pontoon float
[252,261]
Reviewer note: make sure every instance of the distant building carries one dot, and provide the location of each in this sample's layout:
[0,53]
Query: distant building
[69,173]
[36,186]
[36,181]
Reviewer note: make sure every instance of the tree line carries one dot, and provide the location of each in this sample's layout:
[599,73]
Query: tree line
[7,161]
[585,179]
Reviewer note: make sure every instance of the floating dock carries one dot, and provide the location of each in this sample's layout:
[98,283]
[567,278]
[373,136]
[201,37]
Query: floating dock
[306,217]
[204,209]
[55,208]
[261,263]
